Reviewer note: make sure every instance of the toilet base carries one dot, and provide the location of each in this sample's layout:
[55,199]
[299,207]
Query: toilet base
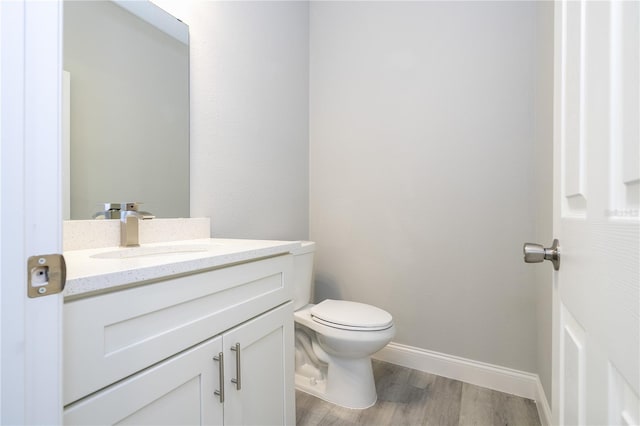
[349,383]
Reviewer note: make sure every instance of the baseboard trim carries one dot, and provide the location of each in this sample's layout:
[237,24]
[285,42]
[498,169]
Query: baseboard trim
[490,376]
[544,410]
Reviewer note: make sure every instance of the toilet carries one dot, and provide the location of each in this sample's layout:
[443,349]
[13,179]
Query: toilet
[334,341]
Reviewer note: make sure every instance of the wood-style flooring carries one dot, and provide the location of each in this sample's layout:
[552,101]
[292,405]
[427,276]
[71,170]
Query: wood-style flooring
[411,397]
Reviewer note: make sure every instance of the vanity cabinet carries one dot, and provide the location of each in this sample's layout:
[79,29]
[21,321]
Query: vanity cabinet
[167,352]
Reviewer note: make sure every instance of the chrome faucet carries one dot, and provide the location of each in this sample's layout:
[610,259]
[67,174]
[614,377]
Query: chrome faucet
[129,219]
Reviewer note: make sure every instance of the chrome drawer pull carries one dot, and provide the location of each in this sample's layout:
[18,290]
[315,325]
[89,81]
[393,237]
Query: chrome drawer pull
[238,379]
[220,359]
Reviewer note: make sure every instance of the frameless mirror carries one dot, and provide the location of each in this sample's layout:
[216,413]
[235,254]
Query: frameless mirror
[126,107]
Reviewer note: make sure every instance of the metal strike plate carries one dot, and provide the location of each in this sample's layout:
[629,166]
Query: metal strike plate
[46,274]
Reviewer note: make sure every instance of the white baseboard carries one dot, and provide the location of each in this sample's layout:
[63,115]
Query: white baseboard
[544,411]
[478,373]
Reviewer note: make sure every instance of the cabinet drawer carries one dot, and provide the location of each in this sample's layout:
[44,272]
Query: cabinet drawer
[111,336]
[178,391]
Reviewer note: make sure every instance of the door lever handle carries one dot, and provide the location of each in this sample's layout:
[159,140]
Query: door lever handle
[536,253]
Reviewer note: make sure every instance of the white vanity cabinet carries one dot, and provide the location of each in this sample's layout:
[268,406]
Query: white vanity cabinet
[151,354]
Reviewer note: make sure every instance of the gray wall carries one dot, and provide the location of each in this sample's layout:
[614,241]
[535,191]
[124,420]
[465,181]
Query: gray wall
[249,117]
[422,174]
[430,152]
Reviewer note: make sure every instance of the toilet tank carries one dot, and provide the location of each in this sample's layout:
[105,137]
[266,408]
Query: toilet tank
[303,274]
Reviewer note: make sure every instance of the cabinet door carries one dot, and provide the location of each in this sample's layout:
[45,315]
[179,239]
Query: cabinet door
[178,391]
[265,370]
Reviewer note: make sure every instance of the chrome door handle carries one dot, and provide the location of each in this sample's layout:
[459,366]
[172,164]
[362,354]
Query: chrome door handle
[220,359]
[536,253]
[238,379]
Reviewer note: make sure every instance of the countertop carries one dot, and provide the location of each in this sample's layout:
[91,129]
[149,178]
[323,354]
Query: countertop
[88,275]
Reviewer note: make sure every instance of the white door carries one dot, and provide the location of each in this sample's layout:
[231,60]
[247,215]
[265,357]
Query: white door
[596,355]
[30,366]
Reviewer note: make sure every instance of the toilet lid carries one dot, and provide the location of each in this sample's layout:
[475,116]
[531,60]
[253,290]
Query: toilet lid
[351,315]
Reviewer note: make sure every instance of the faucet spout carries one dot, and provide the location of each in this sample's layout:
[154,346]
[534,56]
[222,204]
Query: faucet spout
[129,224]
[129,230]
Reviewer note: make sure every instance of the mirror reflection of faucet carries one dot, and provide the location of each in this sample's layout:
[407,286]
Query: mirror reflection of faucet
[129,216]
[113,210]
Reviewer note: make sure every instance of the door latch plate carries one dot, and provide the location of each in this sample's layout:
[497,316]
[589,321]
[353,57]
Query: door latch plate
[46,274]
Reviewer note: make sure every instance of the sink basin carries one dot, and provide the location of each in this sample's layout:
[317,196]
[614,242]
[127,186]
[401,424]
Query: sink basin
[145,251]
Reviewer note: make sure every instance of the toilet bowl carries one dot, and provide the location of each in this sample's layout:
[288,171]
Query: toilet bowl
[335,340]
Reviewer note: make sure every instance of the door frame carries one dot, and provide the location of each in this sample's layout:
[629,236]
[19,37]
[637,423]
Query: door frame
[557,129]
[30,209]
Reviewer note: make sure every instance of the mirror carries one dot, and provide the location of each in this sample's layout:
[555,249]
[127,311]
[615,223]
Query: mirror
[126,102]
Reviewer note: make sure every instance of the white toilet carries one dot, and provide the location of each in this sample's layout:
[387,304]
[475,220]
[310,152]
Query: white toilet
[335,340]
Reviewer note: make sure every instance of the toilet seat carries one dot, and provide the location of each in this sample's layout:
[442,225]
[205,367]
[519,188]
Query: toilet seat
[346,315]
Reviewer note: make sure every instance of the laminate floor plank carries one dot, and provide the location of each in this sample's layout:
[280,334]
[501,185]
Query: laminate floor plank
[443,403]
[483,407]
[340,416]
[403,391]
[410,397]
[309,409]
[393,383]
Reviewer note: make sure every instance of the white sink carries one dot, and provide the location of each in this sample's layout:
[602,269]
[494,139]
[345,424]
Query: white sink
[147,251]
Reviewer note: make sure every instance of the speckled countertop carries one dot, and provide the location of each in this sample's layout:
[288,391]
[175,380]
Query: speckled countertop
[98,270]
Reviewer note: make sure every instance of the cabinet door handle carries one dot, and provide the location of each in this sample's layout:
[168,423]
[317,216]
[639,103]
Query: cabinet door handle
[238,379]
[220,359]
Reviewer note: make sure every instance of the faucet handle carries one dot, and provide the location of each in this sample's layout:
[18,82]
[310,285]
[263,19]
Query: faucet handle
[133,207]
[130,206]
[111,211]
